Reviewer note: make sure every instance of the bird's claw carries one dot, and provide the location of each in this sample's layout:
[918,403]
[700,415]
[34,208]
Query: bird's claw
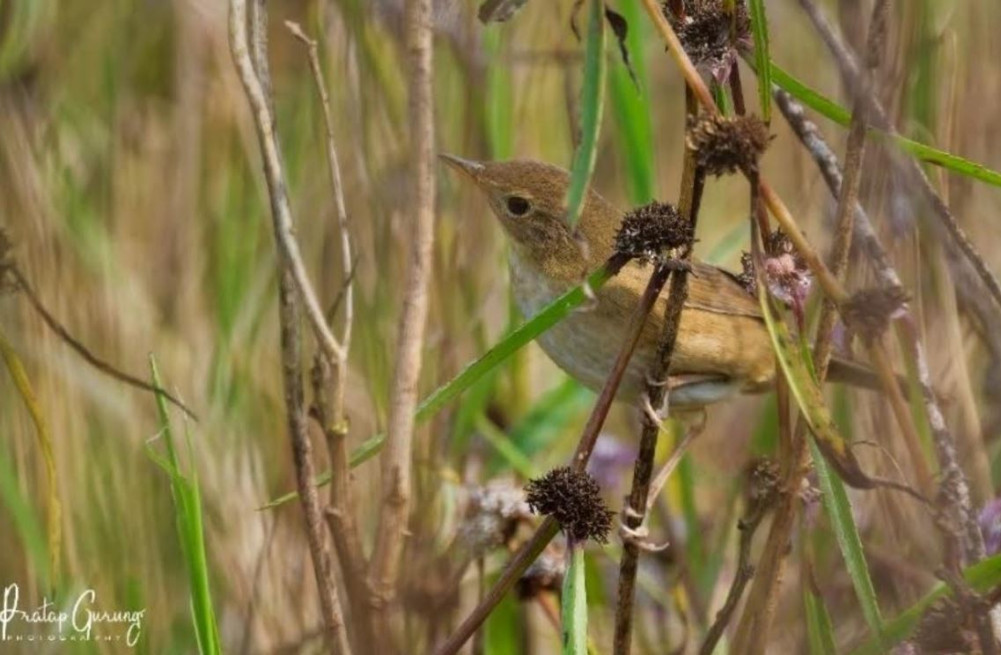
[639,537]
[656,383]
[656,416]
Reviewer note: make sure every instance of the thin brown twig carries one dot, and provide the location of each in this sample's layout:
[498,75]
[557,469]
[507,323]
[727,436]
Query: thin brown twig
[264,120]
[83,351]
[252,67]
[747,525]
[328,380]
[333,165]
[693,179]
[397,461]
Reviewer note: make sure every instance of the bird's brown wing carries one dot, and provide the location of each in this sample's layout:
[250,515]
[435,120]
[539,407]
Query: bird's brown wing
[721,330]
[710,289]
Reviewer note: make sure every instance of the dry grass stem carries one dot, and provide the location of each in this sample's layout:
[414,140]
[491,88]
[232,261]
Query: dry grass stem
[329,385]
[944,441]
[397,455]
[254,75]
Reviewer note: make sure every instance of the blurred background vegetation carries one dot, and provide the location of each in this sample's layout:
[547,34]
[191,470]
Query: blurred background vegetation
[131,188]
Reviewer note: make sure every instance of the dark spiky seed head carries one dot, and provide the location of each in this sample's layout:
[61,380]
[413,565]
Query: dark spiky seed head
[779,243]
[651,232]
[573,498]
[870,311]
[746,277]
[708,34]
[763,479]
[726,144]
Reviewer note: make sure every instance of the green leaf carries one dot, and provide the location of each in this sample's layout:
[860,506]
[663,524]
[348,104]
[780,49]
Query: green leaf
[631,110]
[509,452]
[553,313]
[982,577]
[550,417]
[573,610]
[190,527]
[835,112]
[759,27]
[819,631]
[592,99]
[828,448]
[796,366]
[839,510]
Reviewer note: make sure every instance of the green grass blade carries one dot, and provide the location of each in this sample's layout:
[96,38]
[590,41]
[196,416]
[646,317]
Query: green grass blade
[190,528]
[796,365]
[982,577]
[553,313]
[632,112]
[508,451]
[835,112]
[27,524]
[759,28]
[573,610]
[547,318]
[839,510]
[829,449]
[592,98]
[819,631]
[549,417]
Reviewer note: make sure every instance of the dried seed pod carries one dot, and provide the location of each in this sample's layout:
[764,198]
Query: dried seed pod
[711,36]
[492,516]
[869,311]
[654,233]
[726,144]
[573,498]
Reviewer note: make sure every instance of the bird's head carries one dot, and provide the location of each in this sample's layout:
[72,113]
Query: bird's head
[529,199]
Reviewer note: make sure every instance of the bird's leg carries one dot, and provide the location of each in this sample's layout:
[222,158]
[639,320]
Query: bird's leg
[639,536]
[692,430]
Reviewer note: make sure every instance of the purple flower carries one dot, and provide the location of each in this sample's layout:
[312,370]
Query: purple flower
[990,524]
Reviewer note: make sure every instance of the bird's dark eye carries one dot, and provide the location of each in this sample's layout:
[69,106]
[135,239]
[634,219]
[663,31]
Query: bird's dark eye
[517,206]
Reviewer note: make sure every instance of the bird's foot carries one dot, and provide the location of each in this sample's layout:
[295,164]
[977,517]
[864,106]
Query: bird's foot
[656,416]
[640,535]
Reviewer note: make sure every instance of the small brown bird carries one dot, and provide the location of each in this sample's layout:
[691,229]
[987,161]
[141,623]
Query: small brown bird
[723,347]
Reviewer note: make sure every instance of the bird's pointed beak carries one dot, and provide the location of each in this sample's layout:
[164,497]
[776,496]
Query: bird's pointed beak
[472,169]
